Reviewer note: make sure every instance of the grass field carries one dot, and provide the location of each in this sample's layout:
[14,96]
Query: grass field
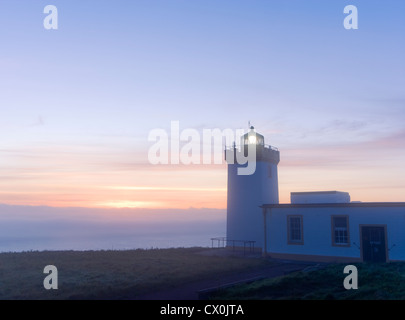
[110,274]
[375,282]
[128,274]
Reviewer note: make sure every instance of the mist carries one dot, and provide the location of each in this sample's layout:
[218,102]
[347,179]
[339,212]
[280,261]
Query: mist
[26,228]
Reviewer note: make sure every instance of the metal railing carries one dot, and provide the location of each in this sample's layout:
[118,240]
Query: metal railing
[223,242]
[238,147]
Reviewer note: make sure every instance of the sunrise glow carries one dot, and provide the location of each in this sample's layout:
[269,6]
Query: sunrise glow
[78,103]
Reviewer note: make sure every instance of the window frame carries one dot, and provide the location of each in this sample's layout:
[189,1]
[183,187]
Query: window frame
[333,228]
[295,242]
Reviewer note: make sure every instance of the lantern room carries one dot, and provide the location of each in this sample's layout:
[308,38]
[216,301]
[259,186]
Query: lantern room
[252,137]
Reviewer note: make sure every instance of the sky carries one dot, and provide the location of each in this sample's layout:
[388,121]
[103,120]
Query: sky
[77,104]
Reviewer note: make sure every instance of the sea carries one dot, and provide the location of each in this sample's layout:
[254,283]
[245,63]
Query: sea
[40,228]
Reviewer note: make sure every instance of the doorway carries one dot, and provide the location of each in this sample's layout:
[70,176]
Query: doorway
[373,243]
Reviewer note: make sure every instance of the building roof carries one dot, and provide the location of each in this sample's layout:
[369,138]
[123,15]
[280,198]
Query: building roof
[334,205]
[317,192]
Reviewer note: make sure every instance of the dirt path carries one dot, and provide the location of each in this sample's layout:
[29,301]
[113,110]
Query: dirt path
[190,290]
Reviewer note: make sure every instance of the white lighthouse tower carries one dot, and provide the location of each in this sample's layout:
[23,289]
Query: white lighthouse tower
[247,192]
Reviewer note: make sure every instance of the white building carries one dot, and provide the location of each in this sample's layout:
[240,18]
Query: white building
[316,226]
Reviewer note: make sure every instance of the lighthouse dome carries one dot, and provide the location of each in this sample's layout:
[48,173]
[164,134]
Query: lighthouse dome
[252,137]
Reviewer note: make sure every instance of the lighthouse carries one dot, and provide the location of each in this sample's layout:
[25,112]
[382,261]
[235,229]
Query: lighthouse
[246,192]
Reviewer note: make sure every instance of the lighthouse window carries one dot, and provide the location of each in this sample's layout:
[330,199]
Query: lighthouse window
[295,230]
[340,231]
[269,171]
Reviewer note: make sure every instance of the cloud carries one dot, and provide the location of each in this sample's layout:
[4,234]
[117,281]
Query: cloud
[393,141]
[39,122]
[348,153]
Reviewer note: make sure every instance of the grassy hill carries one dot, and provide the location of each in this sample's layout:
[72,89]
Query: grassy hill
[375,282]
[110,274]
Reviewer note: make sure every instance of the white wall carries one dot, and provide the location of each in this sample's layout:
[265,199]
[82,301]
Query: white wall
[245,195]
[317,230]
[320,197]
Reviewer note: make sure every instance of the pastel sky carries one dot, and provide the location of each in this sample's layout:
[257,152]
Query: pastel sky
[77,103]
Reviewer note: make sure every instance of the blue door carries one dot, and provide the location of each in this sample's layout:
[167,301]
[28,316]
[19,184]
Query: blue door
[373,244]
